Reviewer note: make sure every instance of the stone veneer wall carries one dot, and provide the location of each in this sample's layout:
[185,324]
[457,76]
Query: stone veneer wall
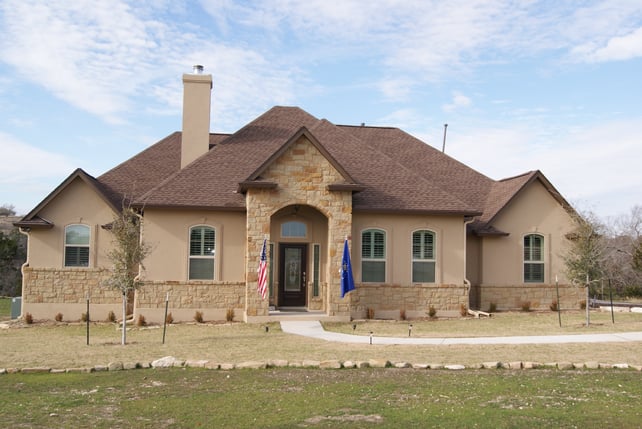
[185,298]
[302,174]
[540,296]
[388,301]
[49,291]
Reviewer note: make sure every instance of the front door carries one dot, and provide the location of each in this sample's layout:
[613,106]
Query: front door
[292,274]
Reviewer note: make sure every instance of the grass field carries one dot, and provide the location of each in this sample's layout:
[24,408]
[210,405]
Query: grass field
[307,398]
[64,345]
[316,398]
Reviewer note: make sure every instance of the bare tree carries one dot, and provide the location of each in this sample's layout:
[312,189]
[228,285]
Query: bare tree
[127,257]
[623,262]
[584,258]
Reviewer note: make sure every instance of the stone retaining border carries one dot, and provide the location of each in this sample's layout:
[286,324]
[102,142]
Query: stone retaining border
[172,362]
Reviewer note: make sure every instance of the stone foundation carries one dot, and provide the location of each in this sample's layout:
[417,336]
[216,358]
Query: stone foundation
[214,300]
[388,301]
[540,296]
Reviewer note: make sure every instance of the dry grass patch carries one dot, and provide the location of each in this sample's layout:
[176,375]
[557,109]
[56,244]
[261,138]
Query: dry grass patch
[63,346]
[499,325]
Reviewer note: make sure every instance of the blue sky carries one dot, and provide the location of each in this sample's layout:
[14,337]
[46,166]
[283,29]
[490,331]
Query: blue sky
[522,85]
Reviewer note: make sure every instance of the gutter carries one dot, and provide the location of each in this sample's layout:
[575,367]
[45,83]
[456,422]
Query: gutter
[466,281]
[25,232]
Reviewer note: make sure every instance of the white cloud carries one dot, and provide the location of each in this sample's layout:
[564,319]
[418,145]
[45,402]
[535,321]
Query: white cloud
[596,162]
[615,49]
[459,101]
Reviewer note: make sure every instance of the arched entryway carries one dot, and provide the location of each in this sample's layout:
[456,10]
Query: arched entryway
[299,245]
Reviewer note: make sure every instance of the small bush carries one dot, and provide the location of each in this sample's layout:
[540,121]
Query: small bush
[198,316]
[28,319]
[583,304]
[492,308]
[402,314]
[526,305]
[141,321]
[58,317]
[229,315]
[432,312]
[370,313]
[169,319]
[84,317]
[553,305]
[463,310]
[111,317]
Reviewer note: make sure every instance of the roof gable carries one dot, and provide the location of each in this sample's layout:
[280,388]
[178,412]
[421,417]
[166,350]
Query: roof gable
[32,220]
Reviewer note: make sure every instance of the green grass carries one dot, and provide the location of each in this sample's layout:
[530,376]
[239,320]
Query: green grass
[5,308]
[293,398]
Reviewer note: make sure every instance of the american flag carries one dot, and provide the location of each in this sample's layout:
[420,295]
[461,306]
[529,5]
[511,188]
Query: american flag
[261,286]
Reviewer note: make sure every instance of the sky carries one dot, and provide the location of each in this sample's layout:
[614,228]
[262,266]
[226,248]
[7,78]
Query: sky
[524,85]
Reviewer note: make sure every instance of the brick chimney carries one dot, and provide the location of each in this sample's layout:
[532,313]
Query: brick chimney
[197,96]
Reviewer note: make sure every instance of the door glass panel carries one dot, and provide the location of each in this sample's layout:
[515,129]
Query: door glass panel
[292,270]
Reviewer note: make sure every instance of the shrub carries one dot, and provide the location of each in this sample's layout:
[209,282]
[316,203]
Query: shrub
[402,314]
[28,319]
[84,317]
[492,308]
[583,304]
[169,319]
[432,312]
[58,317]
[370,313]
[229,315]
[198,316]
[141,321]
[553,305]
[526,306]
[111,317]
[463,310]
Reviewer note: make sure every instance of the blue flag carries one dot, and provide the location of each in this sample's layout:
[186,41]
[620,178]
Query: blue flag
[347,281]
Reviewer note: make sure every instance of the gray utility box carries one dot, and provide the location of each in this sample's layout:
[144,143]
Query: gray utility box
[16,307]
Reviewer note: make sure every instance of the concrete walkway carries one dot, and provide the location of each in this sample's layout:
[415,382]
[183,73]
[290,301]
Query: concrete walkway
[313,329]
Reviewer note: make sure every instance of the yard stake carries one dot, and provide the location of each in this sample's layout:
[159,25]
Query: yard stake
[165,320]
[87,318]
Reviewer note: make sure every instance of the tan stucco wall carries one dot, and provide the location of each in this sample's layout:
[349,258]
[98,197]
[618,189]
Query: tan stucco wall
[76,204]
[399,228]
[496,263]
[167,232]
[534,210]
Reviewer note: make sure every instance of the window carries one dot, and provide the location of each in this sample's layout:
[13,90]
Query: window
[77,246]
[423,256]
[316,268]
[533,258]
[293,229]
[373,256]
[202,249]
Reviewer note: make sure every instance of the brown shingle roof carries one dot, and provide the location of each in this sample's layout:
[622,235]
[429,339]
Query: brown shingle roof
[391,170]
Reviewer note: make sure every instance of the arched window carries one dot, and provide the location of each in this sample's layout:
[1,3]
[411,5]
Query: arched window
[202,252]
[423,256]
[293,229]
[77,246]
[373,256]
[533,258]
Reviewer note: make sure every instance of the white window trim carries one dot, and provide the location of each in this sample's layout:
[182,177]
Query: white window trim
[434,253]
[542,261]
[214,257]
[65,245]
[385,251]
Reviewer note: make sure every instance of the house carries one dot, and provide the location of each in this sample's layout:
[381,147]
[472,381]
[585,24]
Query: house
[423,229]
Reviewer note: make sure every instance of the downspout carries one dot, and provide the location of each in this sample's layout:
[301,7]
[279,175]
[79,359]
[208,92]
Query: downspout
[140,266]
[24,232]
[466,281]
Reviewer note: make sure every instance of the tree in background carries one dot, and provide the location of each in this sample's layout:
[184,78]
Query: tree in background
[623,261]
[13,252]
[584,257]
[126,257]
